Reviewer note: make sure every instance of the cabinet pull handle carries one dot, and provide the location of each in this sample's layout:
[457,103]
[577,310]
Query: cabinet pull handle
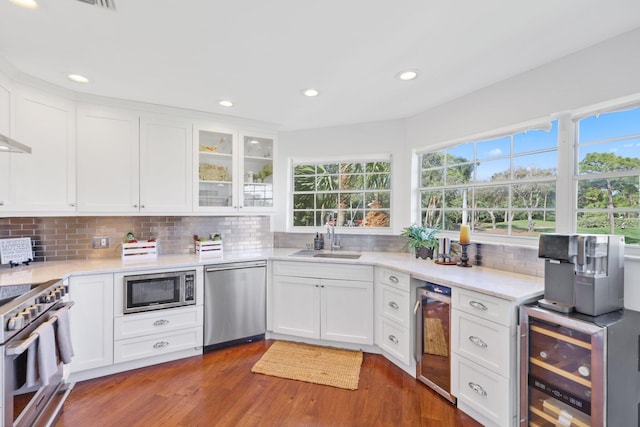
[142,206]
[135,206]
[478,305]
[393,339]
[161,344]
[160,322]
[393,305]
[1,202]
[477,388]
[73,205]
[393,279]
[478,341]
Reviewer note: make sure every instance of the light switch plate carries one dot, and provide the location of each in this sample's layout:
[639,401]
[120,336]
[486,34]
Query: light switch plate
[100,242]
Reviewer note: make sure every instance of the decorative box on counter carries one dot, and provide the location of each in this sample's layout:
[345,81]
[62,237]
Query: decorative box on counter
[208,248]
[139,250]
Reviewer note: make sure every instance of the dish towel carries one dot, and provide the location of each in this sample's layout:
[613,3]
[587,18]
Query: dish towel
[41,359]
[32,368]
[63,335]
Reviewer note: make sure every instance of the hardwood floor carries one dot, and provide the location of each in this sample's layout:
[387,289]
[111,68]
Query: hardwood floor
[218,389]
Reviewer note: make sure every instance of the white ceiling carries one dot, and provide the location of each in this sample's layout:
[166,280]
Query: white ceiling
[261,54]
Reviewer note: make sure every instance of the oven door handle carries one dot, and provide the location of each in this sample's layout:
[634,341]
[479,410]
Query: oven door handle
[22,346]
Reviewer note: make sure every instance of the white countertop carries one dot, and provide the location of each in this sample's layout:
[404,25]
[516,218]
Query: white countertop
[511,286]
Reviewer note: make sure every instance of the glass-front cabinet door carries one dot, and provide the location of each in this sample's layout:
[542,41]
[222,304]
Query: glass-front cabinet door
[216,153]
[257,166]
[235,171]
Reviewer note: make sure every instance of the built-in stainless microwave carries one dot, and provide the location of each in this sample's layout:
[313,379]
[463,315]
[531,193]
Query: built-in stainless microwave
[145,292]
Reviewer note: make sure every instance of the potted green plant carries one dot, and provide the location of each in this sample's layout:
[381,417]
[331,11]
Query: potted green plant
[421,239]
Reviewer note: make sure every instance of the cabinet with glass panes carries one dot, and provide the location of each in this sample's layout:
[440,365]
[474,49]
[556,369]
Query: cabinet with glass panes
[235,171]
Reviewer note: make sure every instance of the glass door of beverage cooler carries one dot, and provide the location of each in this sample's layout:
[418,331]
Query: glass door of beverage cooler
[562,370]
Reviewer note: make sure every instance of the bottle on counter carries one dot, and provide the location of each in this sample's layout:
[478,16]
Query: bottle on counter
[316,242]
[321,242]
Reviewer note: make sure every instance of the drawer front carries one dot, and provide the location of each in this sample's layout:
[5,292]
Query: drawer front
[484,342]
[395,305]
[153,322]
[482,390]
[323,270]
[485,306]
[156,345]
[401,281]
[395,340]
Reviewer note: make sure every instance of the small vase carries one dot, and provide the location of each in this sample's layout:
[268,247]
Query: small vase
[424,253]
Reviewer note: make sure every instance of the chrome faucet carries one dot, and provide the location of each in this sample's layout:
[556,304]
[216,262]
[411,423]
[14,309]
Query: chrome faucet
[331,231]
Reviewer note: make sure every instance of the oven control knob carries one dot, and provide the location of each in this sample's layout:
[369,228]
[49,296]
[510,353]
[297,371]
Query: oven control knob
[61,290]
[33,311]
[15,323]
[26,314]
[38,307]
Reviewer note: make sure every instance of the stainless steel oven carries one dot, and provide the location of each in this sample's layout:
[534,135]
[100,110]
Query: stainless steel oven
[433,343]
[155,291]
[34,353]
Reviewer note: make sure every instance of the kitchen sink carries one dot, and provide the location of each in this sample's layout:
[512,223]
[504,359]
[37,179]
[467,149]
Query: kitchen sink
[321,254]
[337,255]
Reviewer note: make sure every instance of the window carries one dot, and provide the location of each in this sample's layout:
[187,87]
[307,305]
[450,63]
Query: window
[608,174]
[353,193]
[503,185]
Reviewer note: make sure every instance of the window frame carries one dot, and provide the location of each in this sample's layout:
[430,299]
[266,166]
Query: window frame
[567,172]
[507,131]
[355,158]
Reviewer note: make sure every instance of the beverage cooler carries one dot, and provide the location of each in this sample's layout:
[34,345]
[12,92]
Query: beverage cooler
[579,370]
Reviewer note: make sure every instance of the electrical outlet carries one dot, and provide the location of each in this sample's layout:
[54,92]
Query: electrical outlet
[100,242]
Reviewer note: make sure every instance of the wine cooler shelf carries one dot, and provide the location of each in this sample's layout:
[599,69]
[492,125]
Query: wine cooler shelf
[578,370]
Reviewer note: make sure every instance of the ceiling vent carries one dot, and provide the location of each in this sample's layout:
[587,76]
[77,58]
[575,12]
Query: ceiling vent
[107,4]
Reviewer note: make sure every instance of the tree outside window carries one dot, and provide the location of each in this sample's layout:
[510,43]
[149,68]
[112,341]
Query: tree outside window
[352,194]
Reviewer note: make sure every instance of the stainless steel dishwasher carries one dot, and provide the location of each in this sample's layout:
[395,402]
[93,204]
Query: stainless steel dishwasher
[234,303]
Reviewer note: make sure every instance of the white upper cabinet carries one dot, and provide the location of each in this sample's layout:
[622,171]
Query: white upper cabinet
[108,160]
[43,181]
[215,161]
[166,171]
[257,171]
[234,171]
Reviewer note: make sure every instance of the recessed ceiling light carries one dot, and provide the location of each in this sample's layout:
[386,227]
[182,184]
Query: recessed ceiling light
[310,92]
[254,141]
[225,103]
[77,78]
[407,75]
[29,4]
[3,147]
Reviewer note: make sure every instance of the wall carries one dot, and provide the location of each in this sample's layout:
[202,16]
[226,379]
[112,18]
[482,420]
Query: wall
[385,137]
[600,73]
[69,238]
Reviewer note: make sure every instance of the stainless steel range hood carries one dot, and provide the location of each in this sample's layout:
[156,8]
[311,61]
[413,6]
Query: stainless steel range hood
[8,145]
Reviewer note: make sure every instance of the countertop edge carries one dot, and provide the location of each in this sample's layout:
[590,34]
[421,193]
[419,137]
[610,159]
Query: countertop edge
[502,284]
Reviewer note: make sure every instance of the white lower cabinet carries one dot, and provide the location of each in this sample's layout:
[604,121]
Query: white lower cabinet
[484,358]
[91,320]
[393,314]
[138,336]
[323,301]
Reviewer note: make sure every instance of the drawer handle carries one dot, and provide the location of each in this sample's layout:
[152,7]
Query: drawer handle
[161,344]
[393,339]
[478,305]
[393,305]
[160,322]
[393,279]
[477,341]
[477,388]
